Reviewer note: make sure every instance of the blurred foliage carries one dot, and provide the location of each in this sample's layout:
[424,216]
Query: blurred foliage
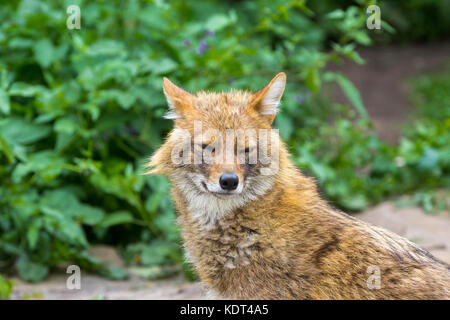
[82,109]
[427,142]
[5,287]
[403,21]
[417,20]
[356,168]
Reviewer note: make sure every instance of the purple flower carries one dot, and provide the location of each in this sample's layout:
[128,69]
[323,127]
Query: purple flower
[202,47]
[187,43]
[298,98]
[209,33]
[303,96]
[132,130]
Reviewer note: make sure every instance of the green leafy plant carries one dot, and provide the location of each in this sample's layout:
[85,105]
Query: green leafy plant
[6,287]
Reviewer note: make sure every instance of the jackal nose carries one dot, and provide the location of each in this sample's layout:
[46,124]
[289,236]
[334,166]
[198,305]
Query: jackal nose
[229,181]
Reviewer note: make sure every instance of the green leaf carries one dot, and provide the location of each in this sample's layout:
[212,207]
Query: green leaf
[124,98]
[153,201]
[217,22]
[350,91]
[26,90]
[65,125]
[72,233]
[355,203]
[118,186]
[115,273]
[47,164]
[87,214]
[386,26]
[6,150]
[312,79]
[6,287]
[156,253]
[285,125]
[18,131]
[33,235]
[336,14]
[44,52]
[116,218]
[68,205]
[153,273]
[164,66]
[4,102]
[31,271]
[361,37]
[15,133]
[63,140]
[430,159]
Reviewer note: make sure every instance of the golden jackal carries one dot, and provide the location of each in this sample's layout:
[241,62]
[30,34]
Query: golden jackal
[255,227]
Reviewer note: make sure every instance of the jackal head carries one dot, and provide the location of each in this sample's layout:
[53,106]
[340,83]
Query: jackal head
[222,151]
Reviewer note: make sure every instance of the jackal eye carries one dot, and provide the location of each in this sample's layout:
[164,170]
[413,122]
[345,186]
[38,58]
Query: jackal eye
[249,149]
[207,146]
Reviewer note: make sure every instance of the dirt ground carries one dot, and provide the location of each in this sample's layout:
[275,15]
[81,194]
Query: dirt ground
[381,81]
[428,231]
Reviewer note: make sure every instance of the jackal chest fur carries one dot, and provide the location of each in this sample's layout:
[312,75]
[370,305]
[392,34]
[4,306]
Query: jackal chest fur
[225,243]
[231,255]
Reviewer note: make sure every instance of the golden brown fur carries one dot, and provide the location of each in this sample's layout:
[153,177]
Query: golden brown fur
[279,239]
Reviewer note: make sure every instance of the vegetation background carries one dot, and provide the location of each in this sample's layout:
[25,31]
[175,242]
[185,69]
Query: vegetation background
[81,110]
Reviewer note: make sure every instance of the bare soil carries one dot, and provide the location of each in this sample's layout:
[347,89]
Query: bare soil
[382,81]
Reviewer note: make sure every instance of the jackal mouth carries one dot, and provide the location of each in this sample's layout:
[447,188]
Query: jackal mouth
[223,194]
[218,194]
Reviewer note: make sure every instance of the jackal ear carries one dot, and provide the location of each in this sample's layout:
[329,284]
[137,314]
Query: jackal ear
[179,100]
[266,100]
